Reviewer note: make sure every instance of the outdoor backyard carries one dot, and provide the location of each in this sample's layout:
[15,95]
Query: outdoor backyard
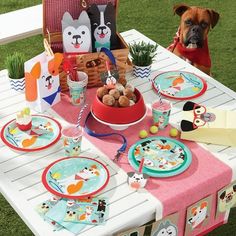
[156,20]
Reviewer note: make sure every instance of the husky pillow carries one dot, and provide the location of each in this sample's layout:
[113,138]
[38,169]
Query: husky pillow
[76,34]
[103,26]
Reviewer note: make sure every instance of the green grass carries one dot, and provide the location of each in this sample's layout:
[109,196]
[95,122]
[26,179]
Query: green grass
[155,19]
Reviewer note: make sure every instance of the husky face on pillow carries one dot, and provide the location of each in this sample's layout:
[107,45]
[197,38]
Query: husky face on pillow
[76,33]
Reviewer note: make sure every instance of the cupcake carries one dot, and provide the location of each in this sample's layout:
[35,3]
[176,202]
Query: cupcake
[24,119]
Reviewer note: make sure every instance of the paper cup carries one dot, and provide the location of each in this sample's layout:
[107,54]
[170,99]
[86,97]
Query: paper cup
[161,113]
[78,88]
[72,138]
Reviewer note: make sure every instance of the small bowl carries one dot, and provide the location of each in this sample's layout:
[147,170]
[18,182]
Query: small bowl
[119,115]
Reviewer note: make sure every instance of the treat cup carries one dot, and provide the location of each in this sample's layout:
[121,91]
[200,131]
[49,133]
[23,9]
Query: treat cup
[161,113]
[78,88]
[72,137]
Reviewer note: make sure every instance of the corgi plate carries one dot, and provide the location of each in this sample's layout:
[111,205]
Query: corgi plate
[164,157]
[44,132]
[180,85]
[75,177]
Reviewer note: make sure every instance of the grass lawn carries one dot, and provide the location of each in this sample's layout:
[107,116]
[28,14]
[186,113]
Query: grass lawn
[155,19]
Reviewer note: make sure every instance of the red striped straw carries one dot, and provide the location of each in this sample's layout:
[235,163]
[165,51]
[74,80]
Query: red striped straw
[140,169]
[159,93]
[80,114]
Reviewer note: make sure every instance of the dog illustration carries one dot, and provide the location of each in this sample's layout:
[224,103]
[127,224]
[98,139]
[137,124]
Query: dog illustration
[47,205]
[103,25]
[191,40]
[87,215]
[70,216]
[137,180]
[227,198]
[72,147]
[42,86]
[76,33]
[198,215]
[199,116]
[179,152]
[74,183]
[179,84]
[166,229]
[28,138]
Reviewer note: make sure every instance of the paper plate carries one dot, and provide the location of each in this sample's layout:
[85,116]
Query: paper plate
[75,177]
[164,157]
[44,133]
[180,85]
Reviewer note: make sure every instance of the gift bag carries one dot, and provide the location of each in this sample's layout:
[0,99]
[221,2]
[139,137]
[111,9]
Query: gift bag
[42,85]
[208,125]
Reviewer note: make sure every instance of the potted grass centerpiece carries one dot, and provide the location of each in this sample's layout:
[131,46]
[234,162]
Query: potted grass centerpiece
[15,66]
[142,56]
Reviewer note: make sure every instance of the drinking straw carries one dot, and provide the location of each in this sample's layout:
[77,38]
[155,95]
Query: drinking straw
[80,114]
[140,169]
[159,93]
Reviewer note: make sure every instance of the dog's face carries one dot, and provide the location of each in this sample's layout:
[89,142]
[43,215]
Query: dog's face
[227,199]
[198,215]
[90,172]
[103,24]
[199,118]
[136,179]
[166,229]
[70,215]
[76,33]
[195,24]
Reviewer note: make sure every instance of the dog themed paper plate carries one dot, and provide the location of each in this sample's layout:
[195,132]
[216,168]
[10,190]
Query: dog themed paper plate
[164,157]
[43,133]
[75,177]
[180,85]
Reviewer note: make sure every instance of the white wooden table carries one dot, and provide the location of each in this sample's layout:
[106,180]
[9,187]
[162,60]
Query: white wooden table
[20,173]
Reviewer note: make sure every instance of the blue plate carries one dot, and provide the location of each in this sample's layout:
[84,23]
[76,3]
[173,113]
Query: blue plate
[163,157]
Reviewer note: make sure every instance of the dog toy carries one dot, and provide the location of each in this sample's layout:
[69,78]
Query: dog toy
[153,129]
[143,134]
[173,132]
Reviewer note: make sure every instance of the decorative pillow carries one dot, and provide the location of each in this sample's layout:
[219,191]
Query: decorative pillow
[76,33]
[103,25]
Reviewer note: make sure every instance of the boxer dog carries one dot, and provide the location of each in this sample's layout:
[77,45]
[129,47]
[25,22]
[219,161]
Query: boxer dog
[190,42]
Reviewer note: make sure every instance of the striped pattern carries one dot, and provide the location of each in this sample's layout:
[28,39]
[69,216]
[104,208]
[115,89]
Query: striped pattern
[142,71]
[18,84]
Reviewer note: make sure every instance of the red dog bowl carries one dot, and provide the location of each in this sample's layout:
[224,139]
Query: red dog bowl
[119,115]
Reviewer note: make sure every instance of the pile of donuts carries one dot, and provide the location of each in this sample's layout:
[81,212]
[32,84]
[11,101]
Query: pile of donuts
[119,95]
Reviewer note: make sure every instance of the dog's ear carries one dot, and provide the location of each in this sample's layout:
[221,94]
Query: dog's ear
[130,174]
[53,65]
[214,16]
[193,210]
[179,9]
[67,19]
[203,204]
[94,11]
[31,82]
[84,19]
[222,195]
[187,125]
[188,106]
[234,188]
[145,176]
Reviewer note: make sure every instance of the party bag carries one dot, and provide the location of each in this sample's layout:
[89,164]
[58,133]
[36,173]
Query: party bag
[42,85]
[208,125]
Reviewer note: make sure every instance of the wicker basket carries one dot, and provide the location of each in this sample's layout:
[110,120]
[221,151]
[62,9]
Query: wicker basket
[52,15]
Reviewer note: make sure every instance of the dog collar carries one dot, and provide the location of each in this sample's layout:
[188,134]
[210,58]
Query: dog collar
[100,45]
[50,99]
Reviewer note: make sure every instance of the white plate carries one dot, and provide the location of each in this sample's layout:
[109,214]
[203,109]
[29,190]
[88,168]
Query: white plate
[119,126]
